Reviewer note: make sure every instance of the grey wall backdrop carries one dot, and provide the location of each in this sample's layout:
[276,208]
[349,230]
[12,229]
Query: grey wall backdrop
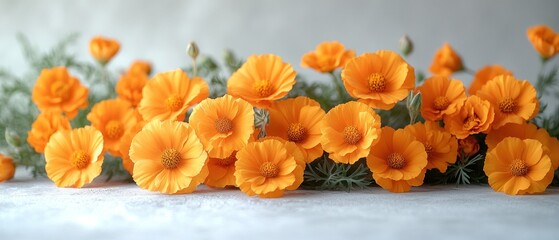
[482,31]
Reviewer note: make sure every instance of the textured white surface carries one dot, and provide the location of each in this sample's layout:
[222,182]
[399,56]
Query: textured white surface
[36,209]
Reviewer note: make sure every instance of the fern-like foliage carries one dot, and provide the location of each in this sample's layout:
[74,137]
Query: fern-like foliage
[325,174]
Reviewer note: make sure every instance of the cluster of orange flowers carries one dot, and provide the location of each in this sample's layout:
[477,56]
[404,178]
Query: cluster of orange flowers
[218,145]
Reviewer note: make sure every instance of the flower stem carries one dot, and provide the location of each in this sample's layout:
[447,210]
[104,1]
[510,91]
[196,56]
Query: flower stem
[339,86]
[194,67]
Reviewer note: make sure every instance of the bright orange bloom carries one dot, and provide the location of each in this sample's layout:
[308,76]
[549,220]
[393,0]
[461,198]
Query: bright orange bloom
[526,131]
[7,168]
[485,74]
[348,131]
[169,95]
[261,80]
[468,146]
[446,61]
[56,90]
[130,85]
[441,96]
[113,118]
[476,115]
[441,146]
[517,166]
[103,49]
[125,143]
[298,120]
[140,66]
[327,57]
[223,124]
[397,161]
[269,167]
[168,158]
[544,40]
[74,157]
[514,101]
[46,124]
[380,79]
[222,171]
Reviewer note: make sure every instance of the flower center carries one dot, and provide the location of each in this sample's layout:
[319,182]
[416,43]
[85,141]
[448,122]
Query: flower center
[263,88]
[60,89]
[113,129]
[351,135]
[80,159]
[441,103]
[507,106]
[428,149]
[296,132]
[518,168]
[228,161]
[377,82]
[174,103]
[171,158]
[396,161]
[269,170]
[223,125]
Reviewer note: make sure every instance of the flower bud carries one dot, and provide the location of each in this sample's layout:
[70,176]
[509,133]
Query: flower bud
[12,138]
[192,50]
[468,146]
[406,45]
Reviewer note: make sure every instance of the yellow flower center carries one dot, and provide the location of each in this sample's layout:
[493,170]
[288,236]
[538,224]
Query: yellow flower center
[296,132]
[518,168]
[507,106]
[263,88]
[228,161]
[396,160]
[79,159]
[269,170]
[428,149]
[113,129]
[60,90]
[351,135]
[171,158]
[377,82]
[223,125]
[174,103]
[441,103]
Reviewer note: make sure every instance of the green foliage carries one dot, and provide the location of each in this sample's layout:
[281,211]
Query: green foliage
[325,174]
[466,171]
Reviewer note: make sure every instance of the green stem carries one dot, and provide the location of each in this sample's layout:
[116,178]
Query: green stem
[194,67]
[339,86]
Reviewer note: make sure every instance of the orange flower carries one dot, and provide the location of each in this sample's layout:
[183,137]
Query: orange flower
[113,118]
[514,100]
[46,124]
[268,167]
[526,131]
[544,40]
[169,95]
[441,96]
[485,74]
[223,124]
[348,131]
[298,120]
[168,158]
[103,49]
[7,168]
[140,66]
[125,143]
[56,90]
[475,116]
[130,86]
[517,166]
[222,171]
[327,57]
[380,79]
[441,146]
[261,80]
[74,157]
[446,62]
[397,161]
[468,146]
